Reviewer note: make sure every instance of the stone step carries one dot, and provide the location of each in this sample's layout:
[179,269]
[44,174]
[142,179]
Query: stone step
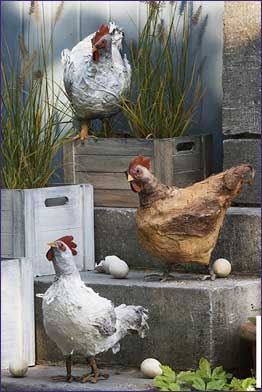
[189,319]
[38,379]
[239,239]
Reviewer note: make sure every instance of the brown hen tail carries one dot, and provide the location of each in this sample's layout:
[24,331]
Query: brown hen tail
[236,177]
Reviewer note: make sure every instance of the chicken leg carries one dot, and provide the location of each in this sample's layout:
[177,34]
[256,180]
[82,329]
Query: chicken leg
[83,133]
[68,377]
[95,373]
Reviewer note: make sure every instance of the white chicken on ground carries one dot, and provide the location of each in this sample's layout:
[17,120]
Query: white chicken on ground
[96,75]
[78,320]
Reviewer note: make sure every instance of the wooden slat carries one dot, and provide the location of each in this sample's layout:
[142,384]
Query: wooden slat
[104,180]
[187,162]
[17,311]
[184,179]
[131,147]
[69,162]
[163,160]
[102,163]
[115,198]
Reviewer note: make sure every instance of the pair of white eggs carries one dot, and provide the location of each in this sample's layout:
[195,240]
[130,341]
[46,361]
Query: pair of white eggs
[114,266]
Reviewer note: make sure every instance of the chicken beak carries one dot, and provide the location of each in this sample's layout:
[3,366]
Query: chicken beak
[94,49]
[130,178]
[52,244]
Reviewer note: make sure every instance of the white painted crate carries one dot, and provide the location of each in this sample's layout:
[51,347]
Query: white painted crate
[30,220]
[17,311]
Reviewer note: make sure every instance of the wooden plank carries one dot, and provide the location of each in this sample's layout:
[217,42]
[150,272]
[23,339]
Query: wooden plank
[17,311]
[102,163]
[245,151]
[6,200]
[115,198]
[69,162]
[7,244]
[114,146]
[104,180]
[87,208]
[187,162]
[188,178]
[163,160]
[7,221]
[27,309]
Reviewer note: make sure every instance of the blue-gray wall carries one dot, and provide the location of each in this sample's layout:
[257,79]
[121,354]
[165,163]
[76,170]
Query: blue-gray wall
[80,18]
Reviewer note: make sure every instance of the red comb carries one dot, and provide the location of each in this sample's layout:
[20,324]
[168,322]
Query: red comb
[68,240]
[140,160]
[103,30]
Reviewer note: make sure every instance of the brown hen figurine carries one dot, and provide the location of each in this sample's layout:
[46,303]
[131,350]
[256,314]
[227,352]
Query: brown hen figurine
[181,225]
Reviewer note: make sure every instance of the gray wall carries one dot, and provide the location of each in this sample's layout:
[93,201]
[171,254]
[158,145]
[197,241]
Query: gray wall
[80,18]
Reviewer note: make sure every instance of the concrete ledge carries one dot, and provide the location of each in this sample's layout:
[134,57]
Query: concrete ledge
[239,239]
[189,319]
[38,379]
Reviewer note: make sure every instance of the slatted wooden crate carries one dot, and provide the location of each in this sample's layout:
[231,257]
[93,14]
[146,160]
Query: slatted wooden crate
[102,162]
[33,217]
[17,311]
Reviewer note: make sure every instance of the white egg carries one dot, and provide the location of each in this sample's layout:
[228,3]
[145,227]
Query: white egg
[118,268]
[150,368]
[222,268]
[18,367]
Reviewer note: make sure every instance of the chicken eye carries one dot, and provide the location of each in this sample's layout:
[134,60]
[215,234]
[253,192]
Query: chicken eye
[138,171]
[62,247]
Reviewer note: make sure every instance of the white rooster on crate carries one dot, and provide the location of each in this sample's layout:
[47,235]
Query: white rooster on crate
[96,75]
[78,320]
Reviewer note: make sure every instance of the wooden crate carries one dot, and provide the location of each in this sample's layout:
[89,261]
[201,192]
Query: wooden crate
[17,311]
[33,217]
[102,162]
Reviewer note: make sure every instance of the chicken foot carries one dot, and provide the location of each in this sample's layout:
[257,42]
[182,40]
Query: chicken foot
[68,377]
[95,373]
[211,275]
[162,277]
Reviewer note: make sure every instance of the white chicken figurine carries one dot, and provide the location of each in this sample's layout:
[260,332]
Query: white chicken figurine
[96,75]
[78,320]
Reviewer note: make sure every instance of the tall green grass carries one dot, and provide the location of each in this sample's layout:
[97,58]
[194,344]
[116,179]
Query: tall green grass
[33,112]
[166,85]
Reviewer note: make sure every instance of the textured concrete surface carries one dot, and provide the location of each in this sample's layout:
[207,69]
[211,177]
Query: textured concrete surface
[38,378]
[237,151]
[189,319]
[239,239]
[241,72]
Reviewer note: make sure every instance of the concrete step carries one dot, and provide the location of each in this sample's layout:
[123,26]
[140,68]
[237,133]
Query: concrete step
[239,240]
[189,319]
[38,379]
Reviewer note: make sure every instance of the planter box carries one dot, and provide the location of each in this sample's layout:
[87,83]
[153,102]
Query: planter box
[33,217]
[17,311]
[103,162]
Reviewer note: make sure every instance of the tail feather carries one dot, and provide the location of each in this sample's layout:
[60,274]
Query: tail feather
[132,319]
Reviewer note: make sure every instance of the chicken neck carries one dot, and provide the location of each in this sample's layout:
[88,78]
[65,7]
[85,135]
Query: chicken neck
[152,190]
